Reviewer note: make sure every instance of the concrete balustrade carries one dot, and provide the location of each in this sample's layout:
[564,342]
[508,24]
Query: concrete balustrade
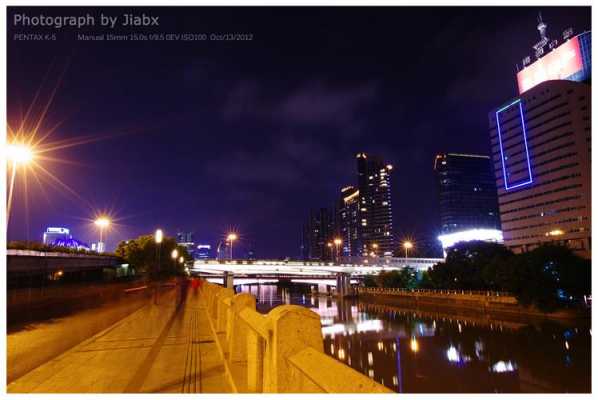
[465,294]
[281,352]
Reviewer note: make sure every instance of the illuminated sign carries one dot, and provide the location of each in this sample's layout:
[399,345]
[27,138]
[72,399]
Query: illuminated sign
[560,63]
[516,153]
[489,235]
[57,230]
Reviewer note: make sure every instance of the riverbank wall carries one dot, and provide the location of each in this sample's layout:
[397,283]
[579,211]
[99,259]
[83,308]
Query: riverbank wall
[498,303]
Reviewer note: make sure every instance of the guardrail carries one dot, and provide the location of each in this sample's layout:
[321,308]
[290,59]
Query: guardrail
[280,352]
[399,291]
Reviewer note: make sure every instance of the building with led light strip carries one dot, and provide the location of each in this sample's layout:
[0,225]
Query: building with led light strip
[541,152]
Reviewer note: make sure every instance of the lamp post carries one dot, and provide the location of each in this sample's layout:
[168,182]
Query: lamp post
[158,239]
[329,244]
[408,246]
[337,244]
[16,154]
[174,254]
[102,223]
[231,238]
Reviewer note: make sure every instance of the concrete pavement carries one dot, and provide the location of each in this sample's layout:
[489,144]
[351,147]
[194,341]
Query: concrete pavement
[157,349]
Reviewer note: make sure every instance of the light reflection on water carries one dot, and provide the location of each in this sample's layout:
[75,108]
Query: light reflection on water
[415,351]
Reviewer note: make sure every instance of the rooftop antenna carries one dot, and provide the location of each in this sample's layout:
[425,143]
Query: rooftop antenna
[542,27]
[539,47]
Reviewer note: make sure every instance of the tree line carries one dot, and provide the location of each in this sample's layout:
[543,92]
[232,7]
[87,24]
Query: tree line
[547,277]
[152,259]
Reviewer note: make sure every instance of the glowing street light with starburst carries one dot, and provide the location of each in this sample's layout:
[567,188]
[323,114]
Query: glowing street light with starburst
[102,223]
[17,155]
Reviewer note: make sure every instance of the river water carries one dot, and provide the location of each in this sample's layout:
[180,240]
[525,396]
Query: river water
[415,351]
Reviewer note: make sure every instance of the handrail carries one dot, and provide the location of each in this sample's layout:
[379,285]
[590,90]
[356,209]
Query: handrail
[487,293]
[282,351]
[313,363]
[255,321]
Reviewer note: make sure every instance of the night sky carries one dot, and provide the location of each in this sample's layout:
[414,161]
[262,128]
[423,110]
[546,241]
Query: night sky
[205,136]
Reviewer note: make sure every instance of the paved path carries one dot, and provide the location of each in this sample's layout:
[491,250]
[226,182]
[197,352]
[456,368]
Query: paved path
[157,349]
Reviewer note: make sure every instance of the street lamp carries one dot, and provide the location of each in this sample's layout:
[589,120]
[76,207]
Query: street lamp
[174,254]
[231,238]
[102,223]
[158,236]
[337,244]
[329,244]
[19,153]
[408,246]
[375,247]
[16,154]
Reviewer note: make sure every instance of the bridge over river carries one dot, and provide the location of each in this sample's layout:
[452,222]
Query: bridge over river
[340,275]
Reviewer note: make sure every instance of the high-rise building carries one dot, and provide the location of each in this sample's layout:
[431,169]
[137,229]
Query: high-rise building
[349,222]
[468,202]
[56,233]
[541,152]
[319,232]
[375,207]
[185,239]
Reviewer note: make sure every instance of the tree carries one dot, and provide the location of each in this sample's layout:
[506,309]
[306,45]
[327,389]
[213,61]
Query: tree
[369,281]
[142,253]
[408,277]
[471,266]
[425,282]
[389,279]
[548,275]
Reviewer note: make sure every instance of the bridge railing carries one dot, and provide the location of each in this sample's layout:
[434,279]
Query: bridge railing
[280,352]
[403,291]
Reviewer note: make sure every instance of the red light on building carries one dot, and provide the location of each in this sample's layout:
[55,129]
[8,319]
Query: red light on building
[560,63]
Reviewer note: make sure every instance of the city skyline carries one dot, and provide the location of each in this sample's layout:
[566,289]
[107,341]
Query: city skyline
[249,145]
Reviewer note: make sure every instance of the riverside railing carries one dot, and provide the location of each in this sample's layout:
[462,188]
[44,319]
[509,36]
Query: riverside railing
[280,352]
[487,293]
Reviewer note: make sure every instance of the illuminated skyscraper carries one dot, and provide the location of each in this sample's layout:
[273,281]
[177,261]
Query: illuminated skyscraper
[185,239]
[318,232]
[541,150]
[349,221]
[375,207]
[467,194]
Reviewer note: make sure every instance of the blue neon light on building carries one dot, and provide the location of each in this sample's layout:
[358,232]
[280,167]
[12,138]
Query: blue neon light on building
[509,154]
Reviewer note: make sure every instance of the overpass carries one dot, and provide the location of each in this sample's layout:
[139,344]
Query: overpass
[30,263]
[338,274]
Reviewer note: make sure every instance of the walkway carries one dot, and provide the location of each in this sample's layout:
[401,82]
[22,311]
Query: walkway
[157,349]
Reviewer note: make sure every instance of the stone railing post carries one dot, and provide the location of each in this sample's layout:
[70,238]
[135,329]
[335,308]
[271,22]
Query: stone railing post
[255,362]
[236,333]
[222,308]
[292,328]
